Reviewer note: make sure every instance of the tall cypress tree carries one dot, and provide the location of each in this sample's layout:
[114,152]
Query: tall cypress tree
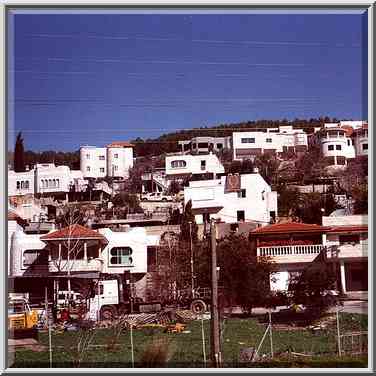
[185,227]
[19,161]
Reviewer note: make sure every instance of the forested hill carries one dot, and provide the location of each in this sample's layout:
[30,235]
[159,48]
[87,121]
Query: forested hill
[167,143]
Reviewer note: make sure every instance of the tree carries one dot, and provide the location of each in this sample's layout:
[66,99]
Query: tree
[244,276]
[188,225]
[268,165]
[175,187]
[310,288]
[360,197]
[19,158]
[128,202]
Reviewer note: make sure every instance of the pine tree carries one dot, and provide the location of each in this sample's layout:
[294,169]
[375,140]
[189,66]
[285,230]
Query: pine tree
[19,161]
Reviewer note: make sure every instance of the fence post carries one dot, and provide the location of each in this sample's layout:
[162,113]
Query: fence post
[338,334]
[270,334]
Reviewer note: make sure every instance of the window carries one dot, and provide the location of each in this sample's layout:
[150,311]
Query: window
[102,157]
[203,145]
[121,256]
[365,146]
[240,215]
[22,185]
[178,164]
[116,155]
[116,167]
[30,256]
[203,165]
[193,146]
[349,239]
[248,140]
[27,184]
[330,147]
[338,147]
[88,168]
[87,156]
[101,169]
[348,142]
[18,185]
[57,183]
[268,140]
[242,193]
[219,146]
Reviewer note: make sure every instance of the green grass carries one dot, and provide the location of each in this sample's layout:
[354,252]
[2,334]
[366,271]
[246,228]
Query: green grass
[186,348]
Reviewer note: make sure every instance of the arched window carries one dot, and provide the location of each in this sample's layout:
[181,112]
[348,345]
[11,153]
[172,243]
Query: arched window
[178,164]
[57,183]
[121,256]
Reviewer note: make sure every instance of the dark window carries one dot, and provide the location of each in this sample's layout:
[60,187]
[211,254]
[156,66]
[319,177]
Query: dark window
[341,160]
[338,147]
[203,145]
[330,147]
[102,157]
[242,193]
[193,146]
[349,239]
[348,142]
[268,140]
[178,164]
[101,169]
[121,256]
[219,146]
[203,165]
[18,185]
[186,147]
[240,215]
[272,216]
[248,140]
[115,155]
[365,146]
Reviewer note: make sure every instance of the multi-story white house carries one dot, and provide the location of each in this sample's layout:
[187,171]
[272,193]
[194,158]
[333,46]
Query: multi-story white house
[247,145]
[179,165]
[336,144]
[114,160]
[251,200]
[360,140]
[293,246]
[205,144]
[79,251]
[44,178]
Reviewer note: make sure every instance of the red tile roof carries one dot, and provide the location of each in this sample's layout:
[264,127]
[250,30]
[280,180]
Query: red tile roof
[349,228]
[348,129]
[74,232]
[120,144]
[290,227]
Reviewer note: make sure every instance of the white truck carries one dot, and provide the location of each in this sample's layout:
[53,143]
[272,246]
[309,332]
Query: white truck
[107,301]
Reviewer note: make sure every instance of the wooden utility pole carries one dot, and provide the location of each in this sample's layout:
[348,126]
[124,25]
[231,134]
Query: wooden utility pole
[192,270]
[215,334]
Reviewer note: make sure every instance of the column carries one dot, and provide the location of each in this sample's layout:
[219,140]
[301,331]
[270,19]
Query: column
[85,251]
[59,257]
[343,276]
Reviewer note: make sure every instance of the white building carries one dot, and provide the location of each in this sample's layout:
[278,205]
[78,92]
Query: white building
[205,144]
[186,165]
[44,178]
[247,145]
[360,140]
[114,160]
[293,246]
[252,201]
[336,144]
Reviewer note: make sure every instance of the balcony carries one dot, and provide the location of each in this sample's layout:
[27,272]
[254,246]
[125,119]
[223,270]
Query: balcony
[291,253]
[90,265]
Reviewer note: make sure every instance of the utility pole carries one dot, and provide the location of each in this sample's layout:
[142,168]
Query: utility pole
[215,336]
[192,270]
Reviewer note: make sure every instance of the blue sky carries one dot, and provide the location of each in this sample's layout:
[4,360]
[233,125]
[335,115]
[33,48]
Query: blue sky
[77,79]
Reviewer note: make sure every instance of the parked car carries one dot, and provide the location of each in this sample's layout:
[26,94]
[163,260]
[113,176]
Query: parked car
[156,196]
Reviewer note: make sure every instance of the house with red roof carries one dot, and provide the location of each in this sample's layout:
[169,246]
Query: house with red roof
[292,246]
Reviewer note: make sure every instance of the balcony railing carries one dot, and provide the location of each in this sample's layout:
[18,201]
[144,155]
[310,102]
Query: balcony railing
[289,250]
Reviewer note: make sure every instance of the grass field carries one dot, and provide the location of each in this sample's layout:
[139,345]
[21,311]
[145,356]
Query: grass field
[185,349]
